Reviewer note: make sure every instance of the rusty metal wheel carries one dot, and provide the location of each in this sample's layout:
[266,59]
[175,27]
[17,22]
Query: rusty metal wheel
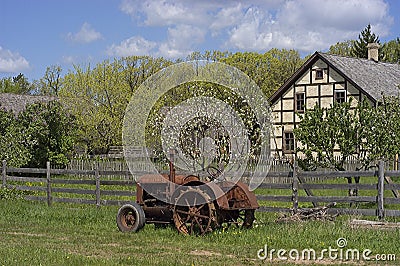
[243,218]
[130,218]
[194,213]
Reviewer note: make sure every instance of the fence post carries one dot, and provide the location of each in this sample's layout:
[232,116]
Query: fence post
[49,197]
[295,188]
[397,162]
[97,177]
[381,189]
[4,173]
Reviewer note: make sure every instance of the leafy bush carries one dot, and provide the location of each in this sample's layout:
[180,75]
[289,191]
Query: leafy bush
[42,132]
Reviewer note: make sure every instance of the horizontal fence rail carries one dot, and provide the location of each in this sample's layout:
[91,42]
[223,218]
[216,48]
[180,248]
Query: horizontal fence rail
[57,186]
[299,188]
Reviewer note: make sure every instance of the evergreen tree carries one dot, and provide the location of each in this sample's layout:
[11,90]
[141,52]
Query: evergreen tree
[364,38]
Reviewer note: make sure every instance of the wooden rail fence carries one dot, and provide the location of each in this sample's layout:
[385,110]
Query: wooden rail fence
[52,182]
[383,192]
[382,195]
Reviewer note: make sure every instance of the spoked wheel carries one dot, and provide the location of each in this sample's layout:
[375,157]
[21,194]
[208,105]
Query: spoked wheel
[194,213]
[130,218]
[246,218]
[240,218]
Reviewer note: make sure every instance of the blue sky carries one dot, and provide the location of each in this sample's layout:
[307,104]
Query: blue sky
[41,33]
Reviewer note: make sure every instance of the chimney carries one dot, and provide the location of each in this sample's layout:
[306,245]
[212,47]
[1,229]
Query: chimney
[373,51]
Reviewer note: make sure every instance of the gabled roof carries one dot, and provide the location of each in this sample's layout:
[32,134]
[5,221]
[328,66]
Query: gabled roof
[370,77]
[17,102]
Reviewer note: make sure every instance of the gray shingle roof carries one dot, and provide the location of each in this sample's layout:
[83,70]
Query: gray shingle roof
[17,102]
[373,77]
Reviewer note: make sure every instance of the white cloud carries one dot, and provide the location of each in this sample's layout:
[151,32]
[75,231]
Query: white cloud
[167,12]
[128,7]
[85,35]
[305,25]
[196,13]
[12,61]
[339,14]
[181,41]
[253,33]
[309,25]
[68,59]
[135,45]
[227,17]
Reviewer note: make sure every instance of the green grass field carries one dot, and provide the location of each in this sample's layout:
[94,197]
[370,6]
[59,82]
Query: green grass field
[32,233]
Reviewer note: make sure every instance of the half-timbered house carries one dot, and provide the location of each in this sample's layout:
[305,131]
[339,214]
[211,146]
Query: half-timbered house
[324,79]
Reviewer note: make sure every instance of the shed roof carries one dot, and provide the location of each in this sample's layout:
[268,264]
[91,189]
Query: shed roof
[18,102]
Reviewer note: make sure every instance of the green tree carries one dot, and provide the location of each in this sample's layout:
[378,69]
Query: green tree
[88,95]
[42,132]
[391,51]
[342,48]
[13,141]
[208,55]
[51,82]
[98,98]
[331,135]
[268,70]
[359,48]
[49,133]
[18,85]
[7,85]
[136,69]
[328,136]
[380,136]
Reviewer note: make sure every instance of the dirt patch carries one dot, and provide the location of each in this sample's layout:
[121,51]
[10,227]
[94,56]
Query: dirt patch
[33,235]
[373,224]
[25,234]
[208,253]
[204,253]
[111,245]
